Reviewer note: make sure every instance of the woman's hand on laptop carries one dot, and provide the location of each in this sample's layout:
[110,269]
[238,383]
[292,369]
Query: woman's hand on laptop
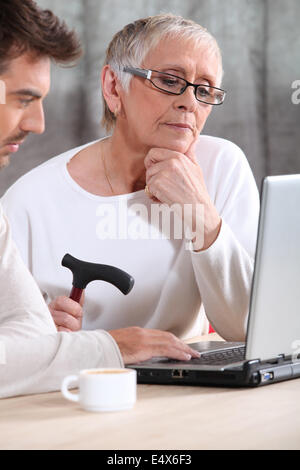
[140,344]
[66,313]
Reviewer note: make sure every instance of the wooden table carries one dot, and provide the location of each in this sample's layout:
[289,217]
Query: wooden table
[164,417]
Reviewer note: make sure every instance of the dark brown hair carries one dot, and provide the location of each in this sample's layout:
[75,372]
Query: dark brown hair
[25,27]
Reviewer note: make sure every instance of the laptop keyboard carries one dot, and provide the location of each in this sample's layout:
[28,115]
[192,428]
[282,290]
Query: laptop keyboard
[227,356]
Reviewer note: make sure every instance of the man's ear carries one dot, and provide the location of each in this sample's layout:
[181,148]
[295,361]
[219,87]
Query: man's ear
[111,89]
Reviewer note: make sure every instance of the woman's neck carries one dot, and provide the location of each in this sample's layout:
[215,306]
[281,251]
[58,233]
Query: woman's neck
[124,164]
[110,167]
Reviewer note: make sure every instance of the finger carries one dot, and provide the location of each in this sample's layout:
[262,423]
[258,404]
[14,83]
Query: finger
[185,352]
[154,169]
[171,346]
[67,305]
[153,192]
[156,155]
[193,353]
[179,355]
[140,344]
[170,168]
[63,319]
[175,353]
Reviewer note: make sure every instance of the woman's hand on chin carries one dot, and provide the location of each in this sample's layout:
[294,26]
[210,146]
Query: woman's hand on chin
[176,178]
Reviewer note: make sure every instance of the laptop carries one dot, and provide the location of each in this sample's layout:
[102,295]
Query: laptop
[272,349]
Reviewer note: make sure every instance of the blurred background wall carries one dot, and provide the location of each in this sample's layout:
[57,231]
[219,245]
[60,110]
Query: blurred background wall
[260,41]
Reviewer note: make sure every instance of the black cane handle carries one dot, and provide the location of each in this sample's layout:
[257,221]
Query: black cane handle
[84,273]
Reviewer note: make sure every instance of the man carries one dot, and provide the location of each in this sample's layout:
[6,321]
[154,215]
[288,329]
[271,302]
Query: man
[33,356]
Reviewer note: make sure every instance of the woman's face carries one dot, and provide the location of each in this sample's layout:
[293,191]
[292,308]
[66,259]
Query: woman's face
[152,118]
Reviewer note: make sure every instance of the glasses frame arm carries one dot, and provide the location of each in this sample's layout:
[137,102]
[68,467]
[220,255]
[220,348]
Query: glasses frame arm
[139,72]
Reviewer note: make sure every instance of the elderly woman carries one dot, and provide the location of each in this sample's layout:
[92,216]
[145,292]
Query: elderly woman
[161,79]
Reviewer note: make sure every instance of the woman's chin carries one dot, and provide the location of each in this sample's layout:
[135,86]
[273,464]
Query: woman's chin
[180,145]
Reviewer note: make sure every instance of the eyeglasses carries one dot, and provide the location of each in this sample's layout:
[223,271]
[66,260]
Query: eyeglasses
[177,85]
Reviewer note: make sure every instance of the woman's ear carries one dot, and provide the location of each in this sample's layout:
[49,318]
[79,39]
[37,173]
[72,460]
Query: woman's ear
[111,89]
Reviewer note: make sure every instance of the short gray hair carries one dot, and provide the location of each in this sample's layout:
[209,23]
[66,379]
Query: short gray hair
[131,45]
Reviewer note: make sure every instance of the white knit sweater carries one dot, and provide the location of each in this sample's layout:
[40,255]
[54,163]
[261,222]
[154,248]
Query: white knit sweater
[34,358]
[51,215]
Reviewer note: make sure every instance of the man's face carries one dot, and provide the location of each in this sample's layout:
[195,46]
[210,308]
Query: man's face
[27,82]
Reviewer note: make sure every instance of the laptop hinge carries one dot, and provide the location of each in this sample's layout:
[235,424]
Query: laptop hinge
[279,359]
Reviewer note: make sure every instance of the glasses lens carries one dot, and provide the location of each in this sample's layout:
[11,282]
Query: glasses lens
[209,95]
[168,83]
[176,86]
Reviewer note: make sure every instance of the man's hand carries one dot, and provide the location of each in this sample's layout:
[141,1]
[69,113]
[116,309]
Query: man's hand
[67,314]
[140,344]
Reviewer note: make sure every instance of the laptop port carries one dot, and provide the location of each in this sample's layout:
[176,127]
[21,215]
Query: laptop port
[179,373]
[266,376]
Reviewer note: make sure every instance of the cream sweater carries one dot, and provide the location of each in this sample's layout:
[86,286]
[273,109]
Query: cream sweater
[34,358]
[51,215]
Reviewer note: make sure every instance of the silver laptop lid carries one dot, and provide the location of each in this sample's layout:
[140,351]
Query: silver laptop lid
[274,319]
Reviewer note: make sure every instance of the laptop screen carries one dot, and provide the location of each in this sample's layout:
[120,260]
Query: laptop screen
[274,318]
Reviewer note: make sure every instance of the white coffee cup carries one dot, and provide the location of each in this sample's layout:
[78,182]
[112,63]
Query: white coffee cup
[102,389]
